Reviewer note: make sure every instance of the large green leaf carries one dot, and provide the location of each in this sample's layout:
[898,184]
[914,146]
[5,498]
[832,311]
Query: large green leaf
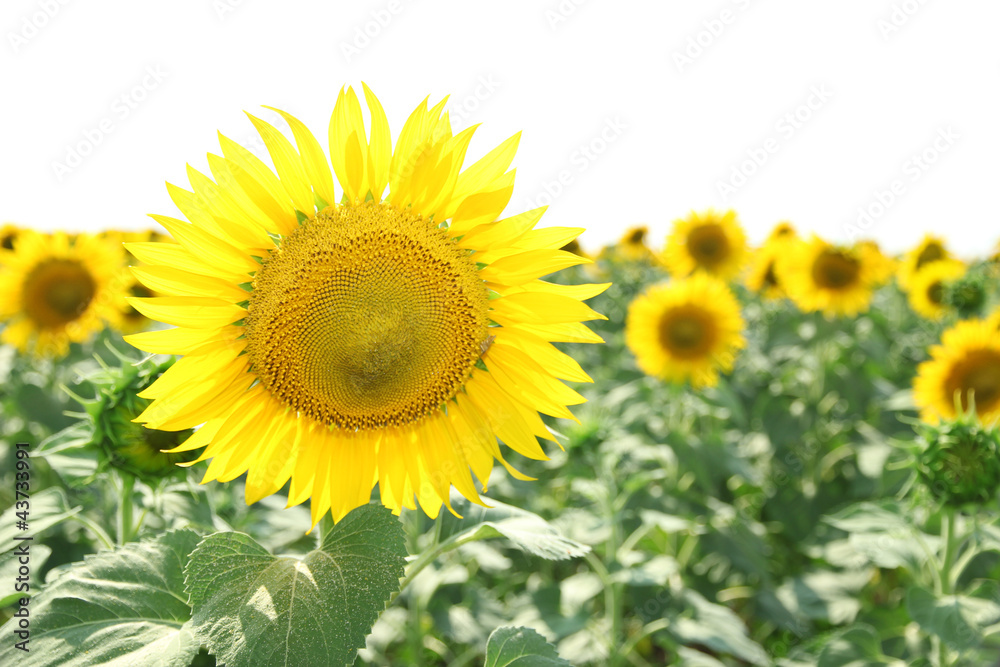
[858,646]
[527,531]
[252,608]
[520,647]
[959,620]
[123,607]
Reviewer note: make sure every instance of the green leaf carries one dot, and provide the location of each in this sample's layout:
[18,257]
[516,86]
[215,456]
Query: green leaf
[121,607]
[855,647]
[252,608]
[828,596]
[520,647]
[527,531]
[718,628]
[959,620]
[46,509]
[10,564]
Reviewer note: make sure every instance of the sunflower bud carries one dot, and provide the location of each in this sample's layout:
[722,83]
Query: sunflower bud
[960,461]
[966,295]
[125,445]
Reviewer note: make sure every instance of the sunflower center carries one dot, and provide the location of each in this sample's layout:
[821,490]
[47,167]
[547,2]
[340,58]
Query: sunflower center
[708,245]
[56,292]
[770,278]
[366,316]
[686,332]
[935,292]
[835,270]
[978,374]
[636,237]
[932,253]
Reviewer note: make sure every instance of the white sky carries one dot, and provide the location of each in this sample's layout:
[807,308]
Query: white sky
[672,130]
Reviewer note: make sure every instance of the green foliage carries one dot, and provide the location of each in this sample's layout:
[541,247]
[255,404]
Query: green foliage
[252,608]
[122,607]
[520,647]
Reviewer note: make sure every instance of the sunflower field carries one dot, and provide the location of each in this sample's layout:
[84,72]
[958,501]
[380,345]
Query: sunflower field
[350,408]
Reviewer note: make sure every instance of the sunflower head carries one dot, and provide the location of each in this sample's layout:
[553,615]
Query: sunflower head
[122,443]
[959,461]
[783,231]
[631,247]
[930,285]
[709,242]
[963,371]
[931,249]
[59,290]
[382,328]
[881,267]
[819,276]
[687,330]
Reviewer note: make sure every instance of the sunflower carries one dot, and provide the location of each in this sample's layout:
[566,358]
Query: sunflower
[927,287]
[8,234]
[930,250]
[880,266]
[819,276]
[707,242]
[762,274]
[687,330]
[385,331]
[964,368]
[783,231]
[57,291]
[631,246]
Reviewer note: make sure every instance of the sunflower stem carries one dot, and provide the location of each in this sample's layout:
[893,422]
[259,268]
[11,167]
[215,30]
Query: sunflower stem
[125,510]
[323,528]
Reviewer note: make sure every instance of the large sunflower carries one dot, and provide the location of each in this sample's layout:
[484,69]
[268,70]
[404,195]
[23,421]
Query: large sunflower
[966,365]
[385,331]
[58,291]
[926,294]
[709,242]
[931,249]
[687,330]
[833,279]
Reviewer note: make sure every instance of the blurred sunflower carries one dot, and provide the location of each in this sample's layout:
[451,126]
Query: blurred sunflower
[881,267]
[783,231]
[631,247]
[343,339]
[8,234]
[687,330]
[58,292]
[927,287]
[709,242]
[931,249]
[762,274]
[964,368]
[822,277]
